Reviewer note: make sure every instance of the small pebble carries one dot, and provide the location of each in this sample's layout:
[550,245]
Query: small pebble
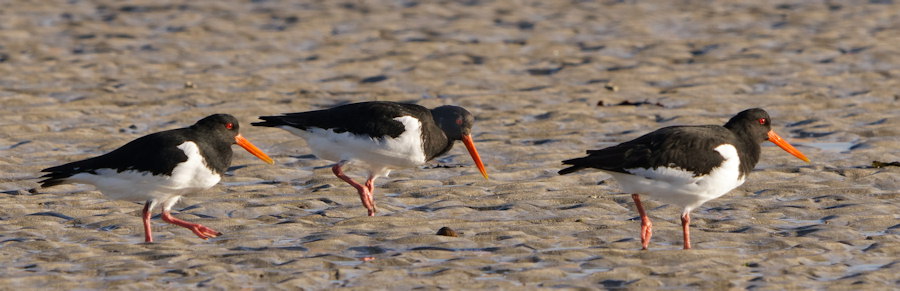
[611,87]
[446,231]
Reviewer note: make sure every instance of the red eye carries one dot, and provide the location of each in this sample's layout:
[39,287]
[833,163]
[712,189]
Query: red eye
[459,121]
[229,125]
[762,121]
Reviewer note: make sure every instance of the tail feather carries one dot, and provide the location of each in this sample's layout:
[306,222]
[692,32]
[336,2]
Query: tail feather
[58,175]
[269,121]
[570,170]
[53,179]
[577,165]
[50,182]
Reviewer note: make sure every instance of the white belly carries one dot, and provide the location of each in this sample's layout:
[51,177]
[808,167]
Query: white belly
[375,154]
[678,186]
[189,176]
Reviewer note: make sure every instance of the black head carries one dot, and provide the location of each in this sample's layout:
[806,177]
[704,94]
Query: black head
[224,127]
[752,123]
[221,126]
[755,126]
[455,121]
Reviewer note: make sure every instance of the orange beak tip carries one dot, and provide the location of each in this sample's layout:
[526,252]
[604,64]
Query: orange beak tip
[265,158]
[247,145]
[777,140]
[481,169]
[470,146]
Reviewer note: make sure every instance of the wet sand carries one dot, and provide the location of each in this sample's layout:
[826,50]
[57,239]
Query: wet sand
[545,80]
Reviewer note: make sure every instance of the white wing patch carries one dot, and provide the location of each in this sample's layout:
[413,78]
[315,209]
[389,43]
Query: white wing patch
[679,186]
[188,176]
[377,155]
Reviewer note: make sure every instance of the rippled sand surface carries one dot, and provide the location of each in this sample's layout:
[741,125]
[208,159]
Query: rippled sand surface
[546,80]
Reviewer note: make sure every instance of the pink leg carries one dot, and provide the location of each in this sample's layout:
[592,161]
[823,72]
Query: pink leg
[646,225]
[201,231]
[686,228]
[363,190]
[370,185]
[148,234]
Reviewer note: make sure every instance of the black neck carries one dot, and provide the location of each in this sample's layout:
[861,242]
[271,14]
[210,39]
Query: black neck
[748,149]
[215,152]
[435,141]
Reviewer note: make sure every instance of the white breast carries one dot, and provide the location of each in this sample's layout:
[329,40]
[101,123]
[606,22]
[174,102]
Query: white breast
[193,174]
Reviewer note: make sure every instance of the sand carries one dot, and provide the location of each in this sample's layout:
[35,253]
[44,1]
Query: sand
[545,80]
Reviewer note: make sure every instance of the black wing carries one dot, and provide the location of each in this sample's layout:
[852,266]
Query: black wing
[687,147]
[374,119]
[155,153]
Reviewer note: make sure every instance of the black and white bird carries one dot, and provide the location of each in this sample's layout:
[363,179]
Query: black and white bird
[379,137]
[161,167]
[685,165]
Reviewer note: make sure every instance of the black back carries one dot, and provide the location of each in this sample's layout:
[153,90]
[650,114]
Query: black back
[157,153]
[376,120]
[687,147]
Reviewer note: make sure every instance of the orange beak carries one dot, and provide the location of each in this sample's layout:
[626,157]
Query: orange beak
[777,140]
[244,143]
[470,145]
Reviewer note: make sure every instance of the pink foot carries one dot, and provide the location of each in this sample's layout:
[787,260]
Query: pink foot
[200,230]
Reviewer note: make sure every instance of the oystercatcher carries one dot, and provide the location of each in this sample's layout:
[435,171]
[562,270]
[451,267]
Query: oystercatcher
[161,167]
[379,136]
[685,165]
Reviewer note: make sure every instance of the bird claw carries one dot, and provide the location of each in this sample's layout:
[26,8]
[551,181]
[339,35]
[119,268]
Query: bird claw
[204,232]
